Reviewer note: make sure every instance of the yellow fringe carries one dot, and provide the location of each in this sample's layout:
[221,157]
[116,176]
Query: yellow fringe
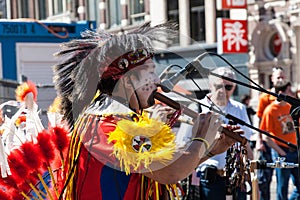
[53,181]
[37,192]
[25,196]
[45,186]
[156,190]
[162,140]
[142,187]
[170,192]
[74,150]
[55,106]
[176,190]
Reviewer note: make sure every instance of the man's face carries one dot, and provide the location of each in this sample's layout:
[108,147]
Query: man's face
[278,75]
[144,80]
[221,91]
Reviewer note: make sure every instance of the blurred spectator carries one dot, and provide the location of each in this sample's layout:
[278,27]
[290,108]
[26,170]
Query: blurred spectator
[264,152]
[277,121]
[213,184]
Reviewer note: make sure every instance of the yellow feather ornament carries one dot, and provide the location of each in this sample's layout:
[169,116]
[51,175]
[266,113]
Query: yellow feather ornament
[138,143]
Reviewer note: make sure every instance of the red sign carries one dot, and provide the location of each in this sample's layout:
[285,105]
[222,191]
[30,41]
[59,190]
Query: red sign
[229,4]
[232,36]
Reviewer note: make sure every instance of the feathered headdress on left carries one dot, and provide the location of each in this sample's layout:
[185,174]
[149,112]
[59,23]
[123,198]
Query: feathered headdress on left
[101,55]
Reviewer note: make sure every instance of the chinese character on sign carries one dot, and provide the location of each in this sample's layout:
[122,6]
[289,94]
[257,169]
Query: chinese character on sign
[232,36]
[229,4]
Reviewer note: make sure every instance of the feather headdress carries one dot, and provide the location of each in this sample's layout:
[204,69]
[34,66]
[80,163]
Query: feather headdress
[98,56]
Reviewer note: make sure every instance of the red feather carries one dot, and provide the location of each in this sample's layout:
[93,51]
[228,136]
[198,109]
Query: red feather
[4,195]
[9,193]
[25,88]
[60,139]
[31,155]
[45,146]
[24,187]
[8,183]
[20,170]
[21,173]
[16,196]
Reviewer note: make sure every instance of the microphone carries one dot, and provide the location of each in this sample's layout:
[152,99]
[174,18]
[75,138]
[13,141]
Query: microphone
[165,72]
[168,84]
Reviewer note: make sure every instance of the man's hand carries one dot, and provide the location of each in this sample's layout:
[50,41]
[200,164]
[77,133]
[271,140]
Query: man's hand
[206,125]
[160,112]
[222,141]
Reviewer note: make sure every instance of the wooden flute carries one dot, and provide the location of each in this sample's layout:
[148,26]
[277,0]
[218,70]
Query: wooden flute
[173,104]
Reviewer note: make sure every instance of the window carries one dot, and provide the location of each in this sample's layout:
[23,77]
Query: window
[114,10]
[58,7]
[23,9]
[173,14]
[137,11]
[3,9]
[42,9]
[197,18]
[93,10]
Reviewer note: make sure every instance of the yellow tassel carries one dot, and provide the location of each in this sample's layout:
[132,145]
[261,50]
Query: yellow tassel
[142,187]
[45,186]
[53,181]
[170,192]
[25,196]
[73,154]
[176,190]
[157,190]
[38,193]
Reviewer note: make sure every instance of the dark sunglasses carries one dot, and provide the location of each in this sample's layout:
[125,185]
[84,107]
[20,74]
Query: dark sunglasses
[277,68]
[227,87]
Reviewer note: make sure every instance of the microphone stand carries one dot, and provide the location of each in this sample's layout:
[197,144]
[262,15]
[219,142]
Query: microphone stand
[239,121]
[295,110]
[295,113]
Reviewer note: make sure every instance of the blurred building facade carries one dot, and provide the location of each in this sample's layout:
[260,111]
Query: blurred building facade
[273,26]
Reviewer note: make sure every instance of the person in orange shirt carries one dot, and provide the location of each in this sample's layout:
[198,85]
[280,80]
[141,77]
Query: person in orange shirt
[264,152]
[277,120]
[265,99]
